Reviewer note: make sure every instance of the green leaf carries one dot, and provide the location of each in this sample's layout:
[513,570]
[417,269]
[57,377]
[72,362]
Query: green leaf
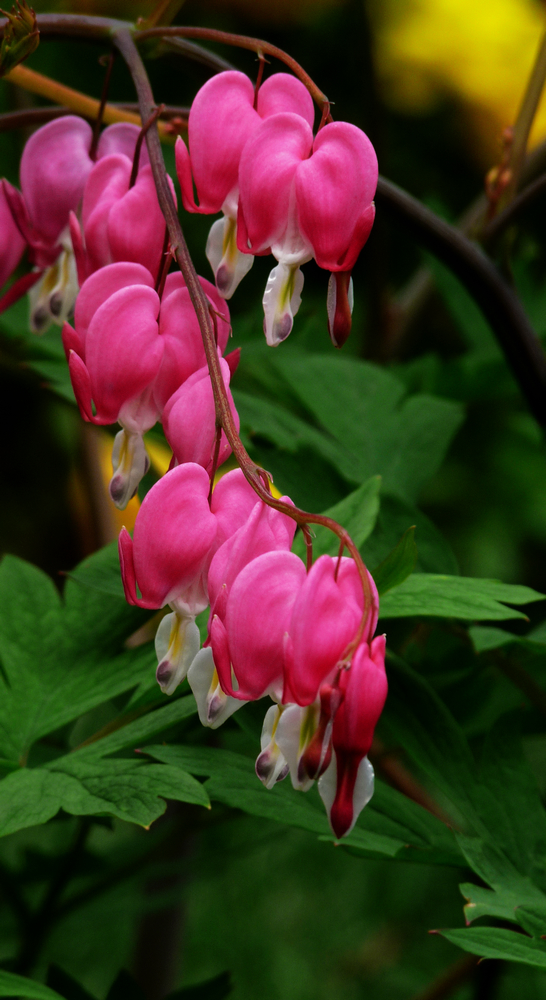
[391,826]
[128,789]
[398,565]
[213,989]
[12,985]
[357,513]
[378,431]
[485,637]
[495,942]
[101,571]
[434,554]
[466,598]
[60,658]
[431,737]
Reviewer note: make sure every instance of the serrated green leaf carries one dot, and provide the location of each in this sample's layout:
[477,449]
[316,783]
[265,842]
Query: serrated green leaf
[391,826]
[356,513]
[398,565]
[12,985]
[378,430]
[466,598]
[128,789]
[495,942]
[533,919]
[59,658]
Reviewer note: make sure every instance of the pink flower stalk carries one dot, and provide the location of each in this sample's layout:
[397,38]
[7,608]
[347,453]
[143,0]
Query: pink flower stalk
[55,166]
[167,559]
[223,116]
[248,644]
[325,618]
[120,222]
[347,785]
[300,198]
[189,421]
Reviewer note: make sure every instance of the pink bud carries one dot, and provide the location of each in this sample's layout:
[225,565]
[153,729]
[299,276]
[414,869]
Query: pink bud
[170,550]
[325,619]
[258,611]
[348,784]
[189,420]
[233,500]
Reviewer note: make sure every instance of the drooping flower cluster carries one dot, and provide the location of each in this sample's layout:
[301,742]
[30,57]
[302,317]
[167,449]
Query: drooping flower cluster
[281,191]
[91,222]
[274,629]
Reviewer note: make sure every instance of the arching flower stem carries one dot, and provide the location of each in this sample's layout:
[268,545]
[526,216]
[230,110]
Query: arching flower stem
[124,42]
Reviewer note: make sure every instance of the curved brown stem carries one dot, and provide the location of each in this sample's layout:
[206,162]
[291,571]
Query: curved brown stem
[255,476]
[257,45]
[39,116]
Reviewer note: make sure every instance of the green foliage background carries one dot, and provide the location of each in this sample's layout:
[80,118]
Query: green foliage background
[422,447]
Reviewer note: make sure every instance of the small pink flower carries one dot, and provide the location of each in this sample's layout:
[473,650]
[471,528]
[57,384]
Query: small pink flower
[300,198]
[248,644]
[120,223]
[347,784]
[169,553]
[222,119]
[189,420]
[55,166]
[325,618]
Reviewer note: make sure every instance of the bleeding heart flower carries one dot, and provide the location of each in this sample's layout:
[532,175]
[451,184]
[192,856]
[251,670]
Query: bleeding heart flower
[347,785]
[300,198]
[223,116]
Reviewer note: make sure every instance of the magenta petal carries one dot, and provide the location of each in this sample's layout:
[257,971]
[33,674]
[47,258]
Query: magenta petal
[257,617]
[12,243]
[189,420]
[136,227]
[72,342]
[220,652]
[122,349]
[268,166]
[334,188]
[108,182]
[54,168]
[101,285]
[325,619]
[173,535]
[122,138]
[81,384]
[284,92]
[125,550]
[78,247]
[222,118]
[233,500]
